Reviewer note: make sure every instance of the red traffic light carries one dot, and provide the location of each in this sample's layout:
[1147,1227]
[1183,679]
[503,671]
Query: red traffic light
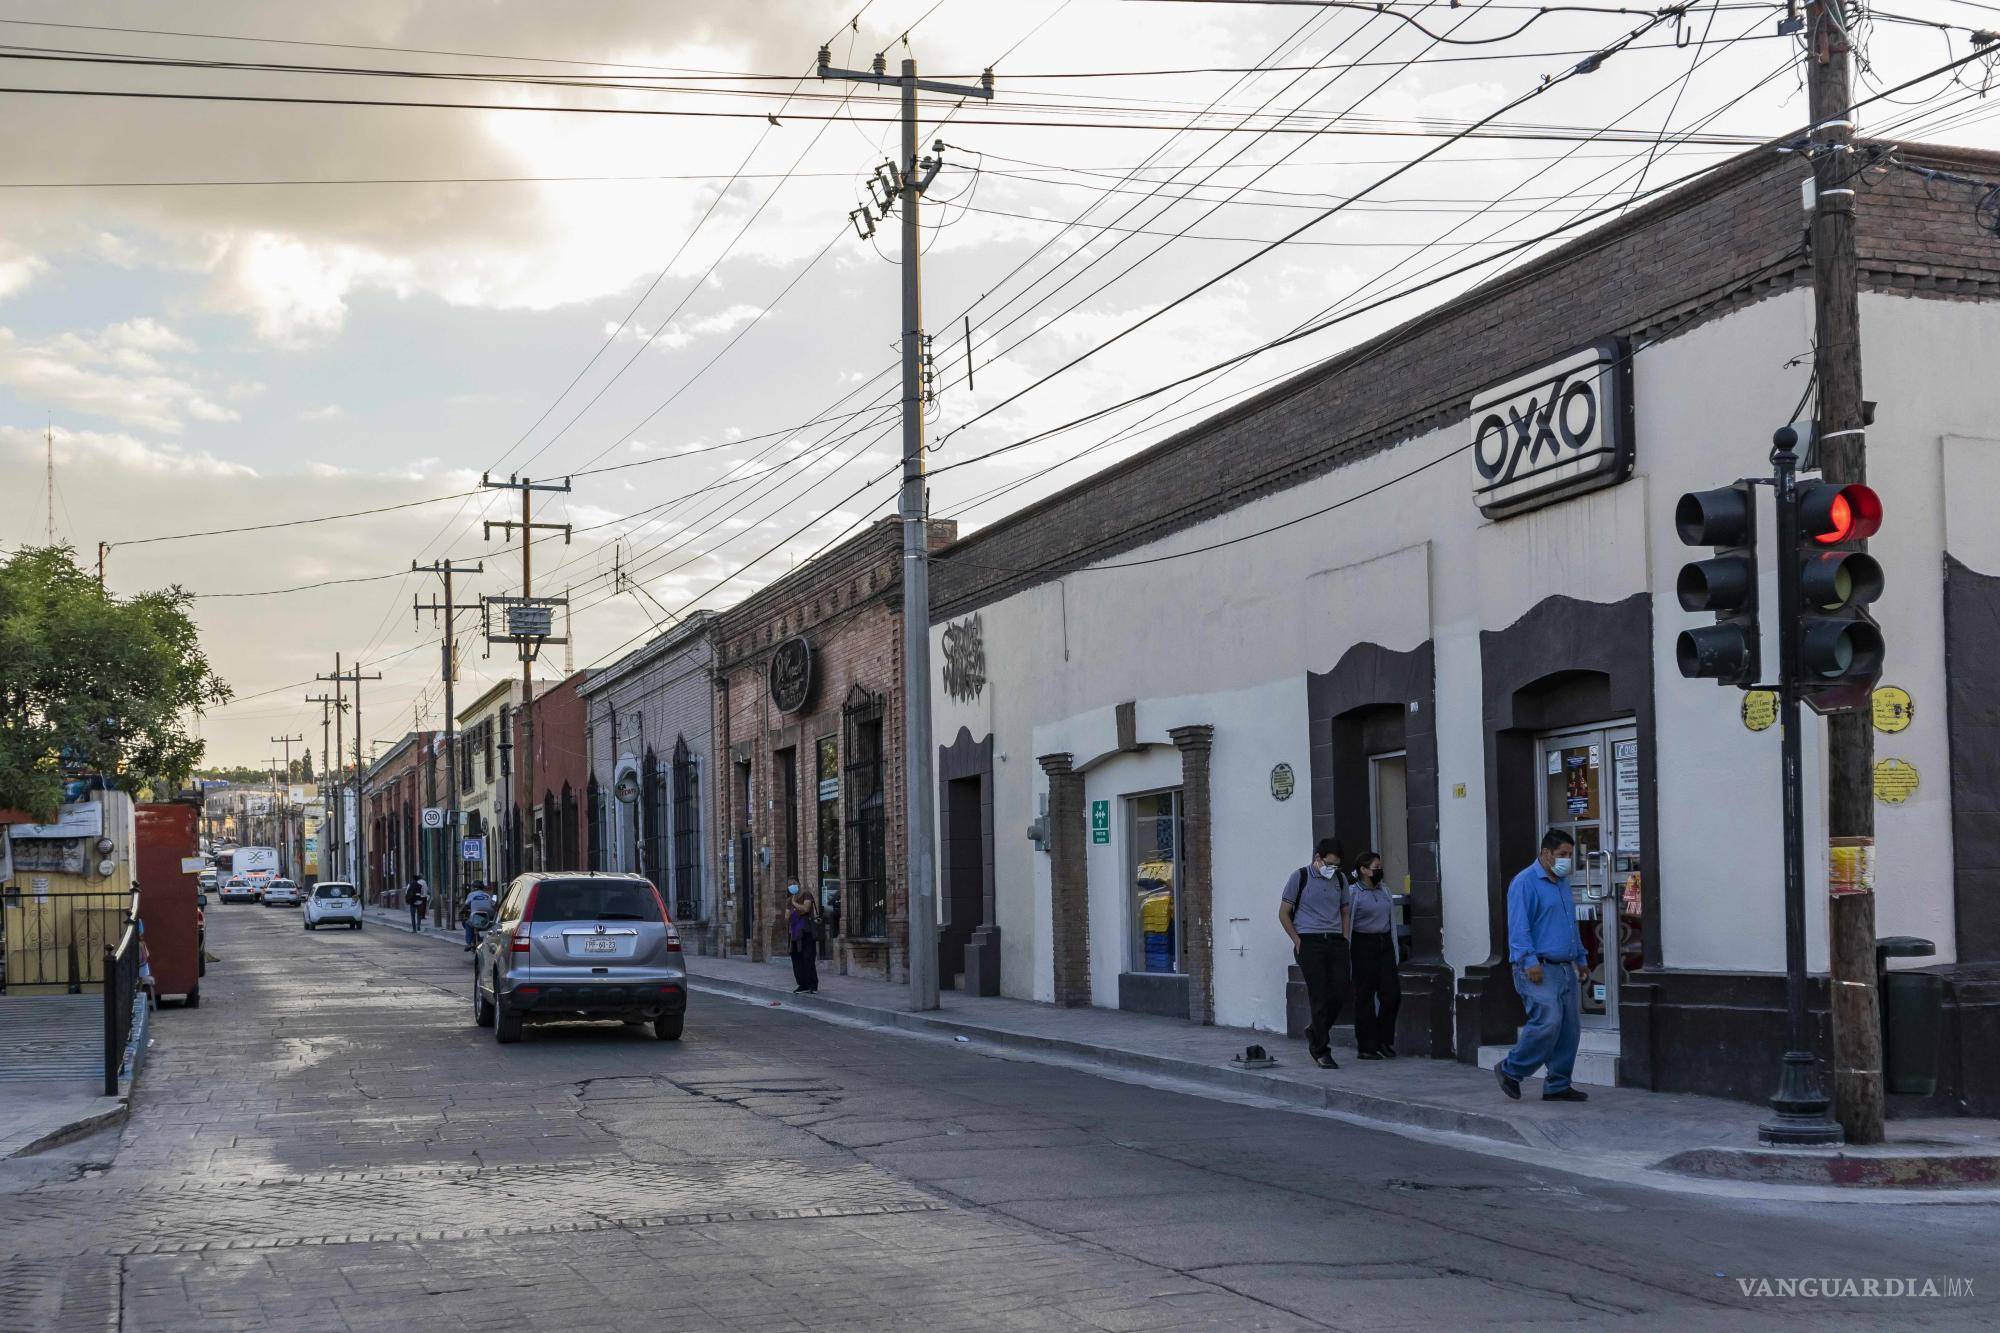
[1831,515]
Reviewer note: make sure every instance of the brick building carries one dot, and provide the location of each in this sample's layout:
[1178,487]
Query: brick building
[809,708]
[558,806]
[1379,601]
[399,785]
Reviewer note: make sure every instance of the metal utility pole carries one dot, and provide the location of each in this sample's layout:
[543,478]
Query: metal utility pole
[330,707]
[355,678]
[446,612]
[530,623]
[284,806]
[908,178]
[1841,438]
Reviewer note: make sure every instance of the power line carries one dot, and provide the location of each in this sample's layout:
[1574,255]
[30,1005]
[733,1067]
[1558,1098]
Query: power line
[289,523]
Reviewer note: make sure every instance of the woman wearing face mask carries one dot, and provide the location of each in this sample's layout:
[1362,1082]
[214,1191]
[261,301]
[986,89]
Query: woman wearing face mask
[1314,909]
[1549,968]
[1378,989]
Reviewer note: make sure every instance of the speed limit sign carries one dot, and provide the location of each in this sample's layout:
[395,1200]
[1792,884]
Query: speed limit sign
[433,818]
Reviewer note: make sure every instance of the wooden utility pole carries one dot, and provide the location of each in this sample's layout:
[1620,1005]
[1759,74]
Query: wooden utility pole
[447,613]
[1841,438]
[530,623]
[354,678]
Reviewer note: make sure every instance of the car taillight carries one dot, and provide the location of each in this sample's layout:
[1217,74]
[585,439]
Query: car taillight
[518,941]
[673,940]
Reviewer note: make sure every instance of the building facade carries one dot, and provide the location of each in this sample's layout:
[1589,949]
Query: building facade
[649,723]
[490,781]
[558,807]
[809,707]
[1422,598]
[400,785]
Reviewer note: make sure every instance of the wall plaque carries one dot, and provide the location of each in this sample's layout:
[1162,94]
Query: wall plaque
[792,674]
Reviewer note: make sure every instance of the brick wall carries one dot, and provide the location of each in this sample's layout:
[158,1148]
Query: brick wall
[1733,236]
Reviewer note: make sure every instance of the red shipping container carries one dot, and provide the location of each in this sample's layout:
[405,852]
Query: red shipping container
[169,843]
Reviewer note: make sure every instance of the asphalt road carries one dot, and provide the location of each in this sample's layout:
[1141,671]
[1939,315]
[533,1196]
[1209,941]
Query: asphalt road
[330,1143]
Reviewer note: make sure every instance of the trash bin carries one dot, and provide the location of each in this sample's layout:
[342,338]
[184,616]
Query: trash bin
[1912,1014]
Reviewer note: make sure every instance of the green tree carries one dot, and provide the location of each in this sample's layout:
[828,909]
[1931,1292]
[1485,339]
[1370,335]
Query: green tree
[91,683]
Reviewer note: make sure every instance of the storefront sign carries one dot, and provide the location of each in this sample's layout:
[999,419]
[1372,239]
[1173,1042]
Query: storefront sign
[1892,708]
[1100,822]
[1895,781]
[1556,431]
[829,789]
[83,820]
[1760,709]
[1283,782]
[626,789]
[1625,787]
[791,674]
[965,658]
[65,856]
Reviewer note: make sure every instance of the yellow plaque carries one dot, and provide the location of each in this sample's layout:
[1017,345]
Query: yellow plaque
[1760,709]
[1895,781]
[1892,708]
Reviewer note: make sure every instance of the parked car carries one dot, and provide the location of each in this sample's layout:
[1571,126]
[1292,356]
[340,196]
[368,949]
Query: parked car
[236,889]
[332,903]
[569,946]
[281,893]
[205,880]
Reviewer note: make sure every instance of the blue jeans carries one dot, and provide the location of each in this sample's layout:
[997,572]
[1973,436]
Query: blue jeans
[1555,1021]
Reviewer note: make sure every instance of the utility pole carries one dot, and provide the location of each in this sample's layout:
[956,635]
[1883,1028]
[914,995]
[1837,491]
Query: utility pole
[530,623]
[354,678]
[103,550]
[908,178]
[1841,437]
[284,807]
[329,781]
[446,612]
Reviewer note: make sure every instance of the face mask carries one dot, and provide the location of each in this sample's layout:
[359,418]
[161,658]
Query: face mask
[1561,867]
[1327,871]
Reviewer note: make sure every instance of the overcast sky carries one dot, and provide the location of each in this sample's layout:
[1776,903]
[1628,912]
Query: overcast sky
[212,356]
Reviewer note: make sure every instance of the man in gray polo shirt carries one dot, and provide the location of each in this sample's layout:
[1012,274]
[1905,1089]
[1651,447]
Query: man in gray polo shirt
[1314,909]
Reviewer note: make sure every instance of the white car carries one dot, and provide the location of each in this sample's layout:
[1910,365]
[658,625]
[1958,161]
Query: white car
[281,893]
[333,904]
[237,890]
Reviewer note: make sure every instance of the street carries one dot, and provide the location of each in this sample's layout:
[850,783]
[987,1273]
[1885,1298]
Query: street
[329,1143]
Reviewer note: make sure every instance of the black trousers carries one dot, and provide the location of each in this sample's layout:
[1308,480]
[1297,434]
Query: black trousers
[416,916]
[1378,991]
[1323,960]
[805,963]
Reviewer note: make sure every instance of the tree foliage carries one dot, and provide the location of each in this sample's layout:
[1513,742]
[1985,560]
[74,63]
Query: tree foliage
[91,683]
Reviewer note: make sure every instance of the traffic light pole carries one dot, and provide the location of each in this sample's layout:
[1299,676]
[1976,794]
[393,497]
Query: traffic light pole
[1801,1105]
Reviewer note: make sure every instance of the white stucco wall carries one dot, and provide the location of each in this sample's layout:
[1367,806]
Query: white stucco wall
[1227,636]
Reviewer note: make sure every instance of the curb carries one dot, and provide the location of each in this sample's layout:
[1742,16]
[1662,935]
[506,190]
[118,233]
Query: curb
[1852,1168]
[77,1129]
[1364,1106]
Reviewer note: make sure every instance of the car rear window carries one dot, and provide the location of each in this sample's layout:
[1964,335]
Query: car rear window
[594,900]
[334,891]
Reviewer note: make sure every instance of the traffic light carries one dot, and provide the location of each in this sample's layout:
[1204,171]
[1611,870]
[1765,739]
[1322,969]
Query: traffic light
[1725,584]
[1839,643]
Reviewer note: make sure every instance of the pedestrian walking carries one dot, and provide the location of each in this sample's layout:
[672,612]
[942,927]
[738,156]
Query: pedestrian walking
[1378,986]
[1314,911]
[1549,968]
[477,901]
[805,942]
[417,899]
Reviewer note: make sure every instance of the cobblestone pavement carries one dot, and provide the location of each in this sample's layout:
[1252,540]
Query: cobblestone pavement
[329,1143]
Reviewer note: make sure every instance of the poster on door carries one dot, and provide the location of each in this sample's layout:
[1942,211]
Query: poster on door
[1625,785]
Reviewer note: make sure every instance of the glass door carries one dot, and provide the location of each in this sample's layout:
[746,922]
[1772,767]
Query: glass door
[1154,843]
[1590,789]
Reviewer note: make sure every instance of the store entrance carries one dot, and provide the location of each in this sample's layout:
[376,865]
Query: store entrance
[1590,789]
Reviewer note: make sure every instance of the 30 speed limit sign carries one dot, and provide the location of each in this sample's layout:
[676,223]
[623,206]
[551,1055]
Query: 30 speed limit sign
[433,818]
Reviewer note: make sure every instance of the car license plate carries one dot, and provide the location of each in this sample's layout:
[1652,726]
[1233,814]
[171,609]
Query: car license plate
[597,945]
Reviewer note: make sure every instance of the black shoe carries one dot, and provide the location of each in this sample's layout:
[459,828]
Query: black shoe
[798,990]
[1370,1055]
[1389,1052]
[1567,1095]
[1326,1062]
[1508,1084]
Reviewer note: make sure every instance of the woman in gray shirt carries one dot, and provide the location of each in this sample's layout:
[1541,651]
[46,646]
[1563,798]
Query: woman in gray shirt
[1378,989]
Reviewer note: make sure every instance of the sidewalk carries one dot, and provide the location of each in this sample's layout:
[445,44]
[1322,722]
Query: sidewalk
[1623,1133]
[52,1070]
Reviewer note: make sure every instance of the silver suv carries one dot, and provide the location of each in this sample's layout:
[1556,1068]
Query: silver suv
[580,946]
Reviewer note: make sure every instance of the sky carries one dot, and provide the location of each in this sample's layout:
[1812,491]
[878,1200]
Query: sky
[233,313]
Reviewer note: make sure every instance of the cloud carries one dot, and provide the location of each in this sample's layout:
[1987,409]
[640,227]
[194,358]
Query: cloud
[327,412]
[99,451]
[117,372]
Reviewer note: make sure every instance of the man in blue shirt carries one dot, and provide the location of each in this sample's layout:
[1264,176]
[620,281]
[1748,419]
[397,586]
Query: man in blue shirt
[1549,968]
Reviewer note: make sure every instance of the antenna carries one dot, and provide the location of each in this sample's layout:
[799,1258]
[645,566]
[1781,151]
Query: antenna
[49,435]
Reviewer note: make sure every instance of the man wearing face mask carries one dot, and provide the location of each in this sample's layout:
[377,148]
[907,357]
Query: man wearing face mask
[1549,968]
[1314,909]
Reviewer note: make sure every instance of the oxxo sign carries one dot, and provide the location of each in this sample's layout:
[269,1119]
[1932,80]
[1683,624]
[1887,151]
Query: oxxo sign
[1560,429]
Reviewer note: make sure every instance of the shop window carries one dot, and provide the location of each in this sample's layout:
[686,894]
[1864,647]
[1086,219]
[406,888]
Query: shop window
[687,844]
[1154,860]
[826,770]
[867,827]
[653,821]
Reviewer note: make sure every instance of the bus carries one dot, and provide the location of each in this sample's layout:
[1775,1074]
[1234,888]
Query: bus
[255,864]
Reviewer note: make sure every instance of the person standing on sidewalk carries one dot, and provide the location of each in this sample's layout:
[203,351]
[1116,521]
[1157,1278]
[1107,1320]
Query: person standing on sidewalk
[805,942]
[1549,968]
[1314,912]
[417,899]
[1378,987]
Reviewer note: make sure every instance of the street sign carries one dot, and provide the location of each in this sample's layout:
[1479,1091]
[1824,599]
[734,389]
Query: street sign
[1100,822]
[433,817]
[472,849]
